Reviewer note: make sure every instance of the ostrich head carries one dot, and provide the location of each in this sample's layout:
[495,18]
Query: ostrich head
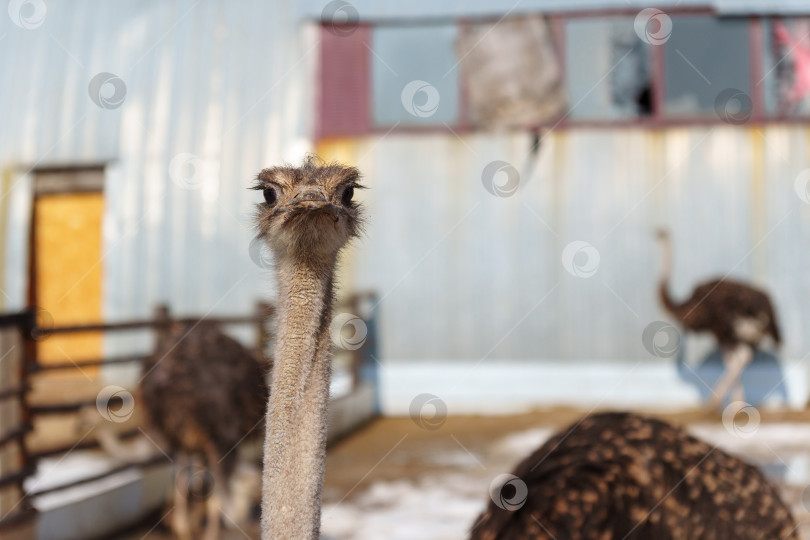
[308,211]
[662,234]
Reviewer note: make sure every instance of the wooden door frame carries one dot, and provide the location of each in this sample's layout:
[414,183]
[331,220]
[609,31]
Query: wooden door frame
[88,178]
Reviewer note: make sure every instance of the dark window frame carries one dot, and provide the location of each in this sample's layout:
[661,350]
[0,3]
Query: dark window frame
[658,119]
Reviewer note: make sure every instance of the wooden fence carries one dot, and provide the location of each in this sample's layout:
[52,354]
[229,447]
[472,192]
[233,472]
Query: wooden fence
[19,334]
[16,464]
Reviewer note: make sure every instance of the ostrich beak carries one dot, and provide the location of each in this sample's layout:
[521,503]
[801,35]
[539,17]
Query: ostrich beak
[310,200]
[310,197]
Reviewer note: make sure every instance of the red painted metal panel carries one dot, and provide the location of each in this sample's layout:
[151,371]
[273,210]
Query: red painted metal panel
[659,81]
[756,82]
[344,97]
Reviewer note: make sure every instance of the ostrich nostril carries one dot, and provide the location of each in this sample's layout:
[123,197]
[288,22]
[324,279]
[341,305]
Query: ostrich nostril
[312,195]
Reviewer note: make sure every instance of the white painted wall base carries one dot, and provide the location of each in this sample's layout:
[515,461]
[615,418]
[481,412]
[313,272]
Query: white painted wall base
[513,386]
[348,411]
[98,508]
[94,509]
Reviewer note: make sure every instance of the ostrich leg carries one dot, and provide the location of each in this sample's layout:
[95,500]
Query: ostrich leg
[734,360]
[181,524]
[747,353]
[219,494]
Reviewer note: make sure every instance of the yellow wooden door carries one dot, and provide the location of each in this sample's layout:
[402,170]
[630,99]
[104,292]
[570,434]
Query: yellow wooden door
[68,272]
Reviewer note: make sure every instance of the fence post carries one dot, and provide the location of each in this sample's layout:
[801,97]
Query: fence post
[357,354]
[163,324]
[18,524]
[28,361]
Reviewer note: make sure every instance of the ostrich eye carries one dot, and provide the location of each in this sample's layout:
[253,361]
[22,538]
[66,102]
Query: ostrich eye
[347,196]
[270,196]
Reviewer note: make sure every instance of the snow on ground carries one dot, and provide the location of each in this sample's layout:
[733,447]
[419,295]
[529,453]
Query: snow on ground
[521,443]
[442,504]
[440,507]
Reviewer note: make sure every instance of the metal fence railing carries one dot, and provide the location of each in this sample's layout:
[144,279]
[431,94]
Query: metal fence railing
[16,464]
[18,416]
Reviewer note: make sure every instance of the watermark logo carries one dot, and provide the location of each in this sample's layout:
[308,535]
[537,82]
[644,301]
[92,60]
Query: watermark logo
[348,331]
[733,106]
[580,259]
[340,18]
[260,254]
[741,419]
[653,26]
[27,14]
[107,90]
[428,411]
[508,492]
[801,185]
[500,178]
[420,99]
[197,481]
[185,170]
[661,339]
[44,323]
[806,498]
[115,404]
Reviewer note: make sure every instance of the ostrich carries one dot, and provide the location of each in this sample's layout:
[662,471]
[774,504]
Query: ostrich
[622,463]
[308,216]
[626,476]
[738,315]
[204,393]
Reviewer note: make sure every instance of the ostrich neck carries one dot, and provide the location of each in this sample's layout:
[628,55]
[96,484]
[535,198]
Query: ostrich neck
[295,445]
[666,260]
[663,282]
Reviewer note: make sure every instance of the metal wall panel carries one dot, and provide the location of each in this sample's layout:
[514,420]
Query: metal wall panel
[464,274]
[215,91]
[461,273]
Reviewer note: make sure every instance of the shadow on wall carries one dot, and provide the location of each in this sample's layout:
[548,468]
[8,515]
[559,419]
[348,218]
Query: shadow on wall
[763,379]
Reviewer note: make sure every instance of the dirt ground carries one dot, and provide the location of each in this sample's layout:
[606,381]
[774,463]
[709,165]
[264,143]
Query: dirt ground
[394,479]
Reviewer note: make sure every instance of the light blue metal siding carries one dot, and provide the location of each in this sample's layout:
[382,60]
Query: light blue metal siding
[226,82]
[462,274]
[467,275]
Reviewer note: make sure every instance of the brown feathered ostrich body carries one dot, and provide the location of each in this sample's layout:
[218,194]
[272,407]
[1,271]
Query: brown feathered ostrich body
[621,476]
[204,393]
[738,315]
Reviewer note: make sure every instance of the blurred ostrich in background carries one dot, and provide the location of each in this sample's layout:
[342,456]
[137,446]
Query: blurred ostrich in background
[204,394]
[738,315]
[625,476]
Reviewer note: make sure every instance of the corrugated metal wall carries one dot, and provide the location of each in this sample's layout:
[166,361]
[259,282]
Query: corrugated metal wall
[461,273]
[464,274]
[215,91]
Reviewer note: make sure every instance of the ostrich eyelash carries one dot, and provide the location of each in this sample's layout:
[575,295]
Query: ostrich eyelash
[355,185]
[261,185]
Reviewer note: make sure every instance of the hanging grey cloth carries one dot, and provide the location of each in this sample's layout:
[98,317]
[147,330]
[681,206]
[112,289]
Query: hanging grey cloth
[511,73]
